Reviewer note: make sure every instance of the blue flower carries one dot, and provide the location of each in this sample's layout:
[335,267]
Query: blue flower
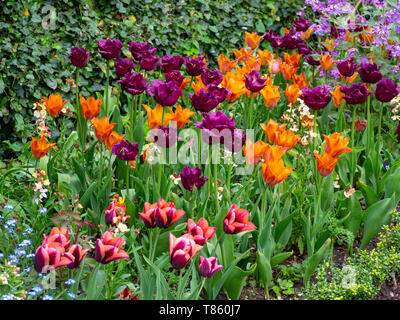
[72,295]
[27,270]
[10,223]
[34,291]
[20,252]
[1,255]
[13,259]
[25,243]
[48,297]
[30,255]
[43,210]
[7,297]
[27,231]
[70,281]
[8,207]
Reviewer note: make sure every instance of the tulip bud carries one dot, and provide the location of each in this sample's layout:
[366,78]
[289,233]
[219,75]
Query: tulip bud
[208,266]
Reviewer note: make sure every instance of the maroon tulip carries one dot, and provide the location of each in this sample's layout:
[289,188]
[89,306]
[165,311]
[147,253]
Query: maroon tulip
[194,66]
[78,253]
[211,77]
[165,136]
[200,232]
[182,250]
[115,213]
[274,38]
[303,49]
[139,49]
[386,90]
[301,24]
[49,257]
[133,83]
[316,98]
[253,81]
[149,61]
[165,93]
[174,75]
[79,57]
[109,249]
[357,93]
[123,66]
[167,215]
[347,67]
[369,72]
[110,48]
[311,61]
[171,63]
[125,150]
[204,100]
[237,220]
[190,177]
[208,266]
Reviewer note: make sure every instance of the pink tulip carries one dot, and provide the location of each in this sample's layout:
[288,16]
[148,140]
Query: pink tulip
[208,266]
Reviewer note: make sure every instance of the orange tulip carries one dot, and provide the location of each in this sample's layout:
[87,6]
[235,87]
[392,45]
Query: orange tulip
[40,147]
[293,59]
[242,54]
[254,152]
[329,44]
[198,85]
[154,116]
[252,39]
[113,138]
[274,172]
[326,62]
[349,38]
[184,83]
[337,96]
[54,104]
[233,82]
[225,64]
[349,80]
[306,34]
[279,135]
[287,71]
[300,80]
[103,128]
[274,65]
[325,164]
[285,30]
[336,145]
[90,107]
[265,56]
[271,95]
[181,116]
[253,63]
[292,93]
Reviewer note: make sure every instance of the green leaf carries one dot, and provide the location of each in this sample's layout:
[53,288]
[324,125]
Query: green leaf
[311,263]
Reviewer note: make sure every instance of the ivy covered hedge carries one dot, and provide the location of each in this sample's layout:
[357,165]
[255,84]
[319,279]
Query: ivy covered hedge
[37,35]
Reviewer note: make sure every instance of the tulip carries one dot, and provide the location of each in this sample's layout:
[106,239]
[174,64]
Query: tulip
[48,258]
[58,237]
[149,61]
[386,90]
[237,220]
[165,93]
[274,66]
[139,49]
[90,107]
[311,61]
[271,96]
[123,66]
[208,266]
[78,57]
[190,177]
[337,96]
[253,81]
[103,128]
[110,48]
[78,253]
[300,80]
[326,62]
[369,72]
[274,170]
[182,250]
[109,249]
[194,66]
[54,104]
[200,232]
[254,152]
[325,164]
[115,212]
[292,92]
[213,77]
[293,59]
[234,85]
[225,64]
[274,38]
[174,75]
[303,49]
[360,125]
[181,116]
[316,98]
[301,24]
[357,93]
[161,214]
[279,135]
[165,136]
[125,150]
[154,116]
[242,54]
[336,145]
[204,100]
[113,138]
[127,294]
[171,63]
[287,71]
[347,67]
[40,147]
[252,39]
[148,214]
[133,83]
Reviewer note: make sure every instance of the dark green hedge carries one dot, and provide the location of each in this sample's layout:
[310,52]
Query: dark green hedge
[34,61]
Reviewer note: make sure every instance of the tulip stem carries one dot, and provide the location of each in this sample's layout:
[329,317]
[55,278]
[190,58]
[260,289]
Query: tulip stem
[218,243]
[353,164]
[380,122]
[160,165]
[106,88]
[153,251]
[250,111]
[203,281]
[127,175]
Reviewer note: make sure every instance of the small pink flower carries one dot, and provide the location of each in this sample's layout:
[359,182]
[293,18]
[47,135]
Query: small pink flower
[208,266]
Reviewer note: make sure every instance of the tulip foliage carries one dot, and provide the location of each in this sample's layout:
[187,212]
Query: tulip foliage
[189,177]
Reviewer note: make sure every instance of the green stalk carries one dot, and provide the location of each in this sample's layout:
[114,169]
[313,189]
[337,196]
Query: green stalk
[216,187]
[380,122]
[155,245]
[106,88]
[369,126]
[203,281]
[160,165]
[353,166]
[250,111]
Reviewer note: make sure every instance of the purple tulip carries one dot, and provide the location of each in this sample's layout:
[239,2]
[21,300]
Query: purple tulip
[139,49]
[357,93]
[123,66]
[316,98]
[274,38]
[253,81]
[165,136]
[79,57]
[369,72]
[194,66]
[311,61]
[133,83]
[125,150]
[204,100]
[386,90]
[301,24]
[303,49]
[110,48]
[289,41]
[165,93]
[208,266]
[211,77]
[190,177]
[174,75]
[220,92]
[347,67]
[171,63]
[149,61]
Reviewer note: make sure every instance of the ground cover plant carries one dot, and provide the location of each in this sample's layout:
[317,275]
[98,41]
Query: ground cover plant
[187,178]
